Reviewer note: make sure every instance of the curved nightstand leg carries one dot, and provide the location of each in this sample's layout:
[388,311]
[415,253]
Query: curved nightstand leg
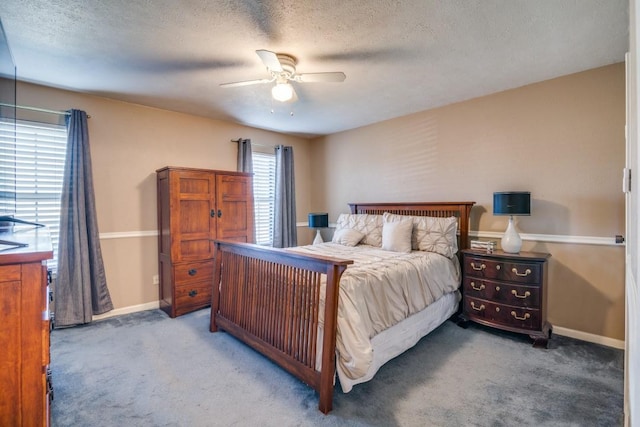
[462,320]
[539,342]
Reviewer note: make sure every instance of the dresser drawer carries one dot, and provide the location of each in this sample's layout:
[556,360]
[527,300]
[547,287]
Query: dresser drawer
[501,292]
[194,272]
[521,272]
[507,315]
[10,273]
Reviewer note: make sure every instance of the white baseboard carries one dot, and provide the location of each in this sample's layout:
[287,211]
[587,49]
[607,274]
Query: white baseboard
[128,310]
[585,336]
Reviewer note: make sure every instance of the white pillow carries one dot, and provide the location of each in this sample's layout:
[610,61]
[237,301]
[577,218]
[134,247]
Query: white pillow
[432,234]
[396,235]
[438,235]
[367,224]
[347,237]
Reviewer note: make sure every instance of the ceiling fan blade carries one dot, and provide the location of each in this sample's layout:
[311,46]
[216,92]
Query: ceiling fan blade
[270,59]
[246,83]
[336,76]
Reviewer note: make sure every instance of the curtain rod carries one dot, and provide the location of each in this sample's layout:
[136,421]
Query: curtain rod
[40,110]
[253,143]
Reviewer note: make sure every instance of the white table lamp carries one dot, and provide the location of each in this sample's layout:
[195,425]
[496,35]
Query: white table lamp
[318,220]
[512,203]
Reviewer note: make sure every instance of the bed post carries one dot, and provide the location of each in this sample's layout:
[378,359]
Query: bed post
[215,295]
[465,212]
[327,372]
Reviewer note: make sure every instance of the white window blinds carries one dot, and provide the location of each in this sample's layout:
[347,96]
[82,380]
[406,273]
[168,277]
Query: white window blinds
[264,184]
[34,167]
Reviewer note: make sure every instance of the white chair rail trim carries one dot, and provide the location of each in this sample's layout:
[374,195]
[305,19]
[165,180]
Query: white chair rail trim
[552,238]
[128,234]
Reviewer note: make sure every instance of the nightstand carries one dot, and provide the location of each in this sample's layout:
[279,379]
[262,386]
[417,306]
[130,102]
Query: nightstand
[507,291]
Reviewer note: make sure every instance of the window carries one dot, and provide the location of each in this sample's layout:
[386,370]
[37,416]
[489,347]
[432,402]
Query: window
[37,162]
[264,184]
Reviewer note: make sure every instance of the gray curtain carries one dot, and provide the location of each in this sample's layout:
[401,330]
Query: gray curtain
[245,161]
[80,289]
[285,233]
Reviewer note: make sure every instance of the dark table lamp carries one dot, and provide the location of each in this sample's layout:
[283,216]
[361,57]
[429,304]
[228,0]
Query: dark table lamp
[318,220]
[512,203]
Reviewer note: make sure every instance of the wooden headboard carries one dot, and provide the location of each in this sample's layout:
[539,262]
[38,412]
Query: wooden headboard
[460,210]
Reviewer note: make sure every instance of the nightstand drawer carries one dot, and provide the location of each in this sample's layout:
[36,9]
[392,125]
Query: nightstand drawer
[514,317]
[194,272]
[520,272]
[511,294]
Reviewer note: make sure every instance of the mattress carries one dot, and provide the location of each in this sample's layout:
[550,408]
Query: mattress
[379,290]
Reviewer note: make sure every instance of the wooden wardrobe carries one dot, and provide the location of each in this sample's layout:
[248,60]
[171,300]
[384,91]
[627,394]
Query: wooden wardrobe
[195,207]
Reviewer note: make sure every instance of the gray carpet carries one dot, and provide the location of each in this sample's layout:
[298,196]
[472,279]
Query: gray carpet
[145,369]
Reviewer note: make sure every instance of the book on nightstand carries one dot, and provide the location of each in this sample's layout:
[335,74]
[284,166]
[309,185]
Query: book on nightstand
[488,246]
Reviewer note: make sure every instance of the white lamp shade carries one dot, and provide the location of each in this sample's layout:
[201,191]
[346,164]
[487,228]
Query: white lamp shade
[282,92]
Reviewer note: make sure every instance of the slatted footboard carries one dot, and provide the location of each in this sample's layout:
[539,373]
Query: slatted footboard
[270,299]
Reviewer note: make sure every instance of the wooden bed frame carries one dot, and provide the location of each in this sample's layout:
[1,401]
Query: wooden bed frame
[269,298]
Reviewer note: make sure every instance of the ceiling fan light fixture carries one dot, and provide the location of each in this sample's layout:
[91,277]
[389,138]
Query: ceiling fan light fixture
[282,92]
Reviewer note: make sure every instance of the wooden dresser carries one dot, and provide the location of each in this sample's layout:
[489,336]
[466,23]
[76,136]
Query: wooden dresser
[24,330]
[507,291]
[196,206]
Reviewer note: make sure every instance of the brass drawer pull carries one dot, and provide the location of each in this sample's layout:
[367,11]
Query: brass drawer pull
[479,288]
[193,272]
[193,293]
[479,268]
[525,317]
[526,294]
[526,272]
[473,305]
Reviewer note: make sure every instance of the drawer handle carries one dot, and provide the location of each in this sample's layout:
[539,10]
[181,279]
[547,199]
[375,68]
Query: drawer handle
[479,288]
[525,317]
[473,305]
[193,293]
[526,272]
[193,272]
[526,294]
[479,268]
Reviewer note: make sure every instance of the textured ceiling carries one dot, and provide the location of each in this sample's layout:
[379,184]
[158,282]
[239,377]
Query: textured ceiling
[399,56]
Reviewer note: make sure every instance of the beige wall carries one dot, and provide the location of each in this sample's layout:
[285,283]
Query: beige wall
[128,143]
[561,139]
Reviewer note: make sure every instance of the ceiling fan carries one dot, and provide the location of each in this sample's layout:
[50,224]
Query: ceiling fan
[282,69]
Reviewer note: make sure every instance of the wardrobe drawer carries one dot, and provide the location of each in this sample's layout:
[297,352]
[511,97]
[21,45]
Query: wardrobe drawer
[192,296]
[194,272]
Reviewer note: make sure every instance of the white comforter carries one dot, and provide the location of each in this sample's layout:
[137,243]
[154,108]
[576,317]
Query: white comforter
[379,290]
